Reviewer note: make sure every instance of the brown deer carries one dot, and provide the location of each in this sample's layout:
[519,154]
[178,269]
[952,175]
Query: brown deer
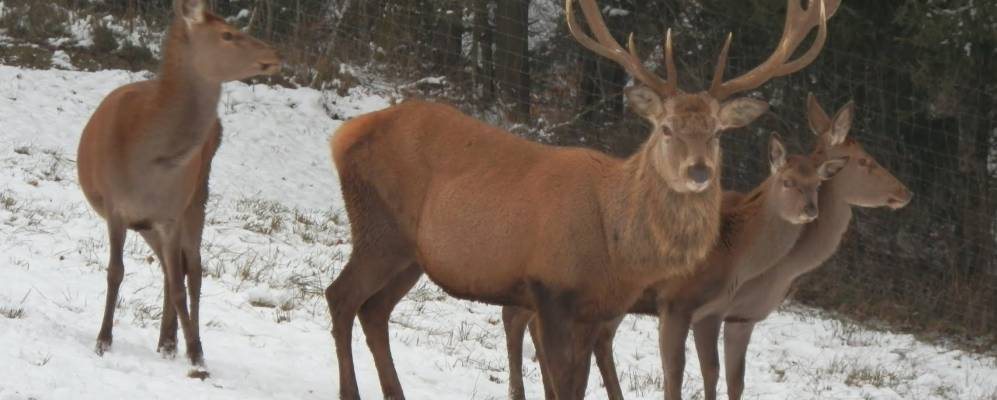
[756,232]
[572,234]
[145,156]
[862,183]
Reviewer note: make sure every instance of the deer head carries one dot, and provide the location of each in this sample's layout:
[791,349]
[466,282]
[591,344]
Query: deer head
[685,126]
[796,180]
[865,183]
[218,51]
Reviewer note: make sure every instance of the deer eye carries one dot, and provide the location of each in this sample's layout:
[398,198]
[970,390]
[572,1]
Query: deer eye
[863,162]
[788,183]
[227,36]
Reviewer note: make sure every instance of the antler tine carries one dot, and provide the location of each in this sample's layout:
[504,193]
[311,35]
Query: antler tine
[797,27]
[606,46]
[718,71]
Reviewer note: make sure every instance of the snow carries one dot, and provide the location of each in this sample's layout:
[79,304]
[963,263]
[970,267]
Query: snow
[275,237]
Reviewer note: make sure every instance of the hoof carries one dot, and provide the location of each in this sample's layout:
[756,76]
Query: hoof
[198,373]
[103,345]
[167,350]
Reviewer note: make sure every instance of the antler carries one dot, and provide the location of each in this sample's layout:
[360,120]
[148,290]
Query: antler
[798,25]
[605,45]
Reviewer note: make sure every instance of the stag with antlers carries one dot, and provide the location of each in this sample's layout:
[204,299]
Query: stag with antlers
[572,234]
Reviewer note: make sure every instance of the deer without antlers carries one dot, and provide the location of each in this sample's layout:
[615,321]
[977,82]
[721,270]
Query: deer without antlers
[681,296]
[145,156]
[863,183]
[572,234]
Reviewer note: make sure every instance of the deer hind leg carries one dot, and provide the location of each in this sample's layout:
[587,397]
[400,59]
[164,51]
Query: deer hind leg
[604,358]
[167,346]
[374,315]
[737,336]
[706,333]
[117,232]
[366,273]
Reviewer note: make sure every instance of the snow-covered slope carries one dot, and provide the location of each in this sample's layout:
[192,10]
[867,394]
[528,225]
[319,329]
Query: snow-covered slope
[275,238]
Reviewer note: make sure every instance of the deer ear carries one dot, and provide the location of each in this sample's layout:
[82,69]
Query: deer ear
[645,102]
[741,112]
[842,124]
[777,153]
[818,119]
[192,11]
[831,167]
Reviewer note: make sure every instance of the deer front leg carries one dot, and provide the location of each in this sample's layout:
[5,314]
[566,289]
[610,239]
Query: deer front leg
[737,336]
[706,333]
[167,346]
[673,328]
[514,321]
[174,267]
[605,360]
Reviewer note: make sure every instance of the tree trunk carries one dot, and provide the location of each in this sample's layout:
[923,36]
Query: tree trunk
[512,63]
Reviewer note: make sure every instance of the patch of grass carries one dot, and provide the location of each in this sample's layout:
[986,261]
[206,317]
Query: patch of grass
[7,201]
[35,21]
[876,376]
[26,55]
[12,312]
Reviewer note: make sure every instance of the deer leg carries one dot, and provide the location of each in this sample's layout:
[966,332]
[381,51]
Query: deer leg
[190,242]
[737,336]
[116,232]
[605,360]
[537,336]
[374,316]
[514,320]
[364,275]
[706,332]
[167,346]
[173,255]
[673,329]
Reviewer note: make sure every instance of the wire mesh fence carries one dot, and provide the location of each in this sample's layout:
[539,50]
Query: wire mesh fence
[921,73]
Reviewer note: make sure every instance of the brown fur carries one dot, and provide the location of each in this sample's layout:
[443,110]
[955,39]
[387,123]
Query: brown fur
[145,157]
[758,230]
[861,183]
[495,218]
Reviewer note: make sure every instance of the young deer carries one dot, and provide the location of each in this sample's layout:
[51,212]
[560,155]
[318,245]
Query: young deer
[146,152]
[863,183]
[573,234]
[756,232]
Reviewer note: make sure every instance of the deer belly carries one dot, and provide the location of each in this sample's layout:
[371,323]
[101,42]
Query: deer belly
[472,250]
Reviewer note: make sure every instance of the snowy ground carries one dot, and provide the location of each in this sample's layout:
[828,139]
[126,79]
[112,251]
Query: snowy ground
[275,238]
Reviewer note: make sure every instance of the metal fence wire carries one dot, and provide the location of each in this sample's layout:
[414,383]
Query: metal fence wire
[920,71]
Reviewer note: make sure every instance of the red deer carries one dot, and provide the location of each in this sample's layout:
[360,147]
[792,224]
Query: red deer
[862,183]
[572,234]
[145,156]
[756,232]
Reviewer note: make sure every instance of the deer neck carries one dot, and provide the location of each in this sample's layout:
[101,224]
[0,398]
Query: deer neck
[655,230]
[761,236]
[819,239]
[186,101]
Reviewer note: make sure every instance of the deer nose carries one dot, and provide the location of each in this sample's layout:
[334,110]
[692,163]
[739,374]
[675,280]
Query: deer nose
[810,210]
[698,173]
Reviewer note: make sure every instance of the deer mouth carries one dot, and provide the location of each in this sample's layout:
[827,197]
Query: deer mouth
[897,203]
[269,67]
